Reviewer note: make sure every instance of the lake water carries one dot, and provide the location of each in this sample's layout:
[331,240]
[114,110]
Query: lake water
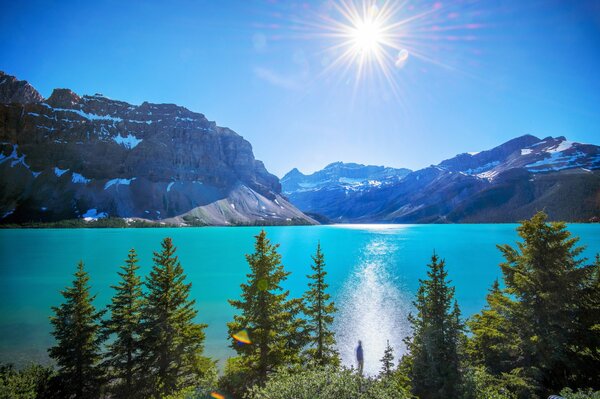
[374,271]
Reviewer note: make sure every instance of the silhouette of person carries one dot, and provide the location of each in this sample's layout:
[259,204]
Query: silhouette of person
[360,357]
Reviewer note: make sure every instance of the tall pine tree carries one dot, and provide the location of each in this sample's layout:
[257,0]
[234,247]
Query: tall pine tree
[269,316]
[319,310]
[437,333]
[76,328]
[552,291]
[124,323]
[387,361]
[172,343]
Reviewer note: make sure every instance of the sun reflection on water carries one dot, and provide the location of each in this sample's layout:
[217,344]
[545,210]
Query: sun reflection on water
[372,308]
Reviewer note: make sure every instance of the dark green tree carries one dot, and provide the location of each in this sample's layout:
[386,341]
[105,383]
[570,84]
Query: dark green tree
[76,328]
[495,344]
[124,324]
[270,318]
[387,361]
[172,343]
[437,333]
[319,310]
[554,298]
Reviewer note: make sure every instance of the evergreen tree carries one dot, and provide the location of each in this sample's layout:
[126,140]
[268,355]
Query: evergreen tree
[553,296]
[123,352]
[437,332]
[76,328]
[172,344]
[276,333]
[495,344]
[319,310]
[387,361]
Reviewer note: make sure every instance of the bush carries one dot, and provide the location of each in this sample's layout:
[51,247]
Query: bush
[29,383]
[325,383]
[568,393]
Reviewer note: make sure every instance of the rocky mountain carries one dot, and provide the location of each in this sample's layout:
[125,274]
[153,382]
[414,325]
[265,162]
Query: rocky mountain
[322,191]
[505,184]
[90,157]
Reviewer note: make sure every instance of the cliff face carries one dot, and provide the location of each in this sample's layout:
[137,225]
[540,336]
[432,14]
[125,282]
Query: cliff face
[90,156]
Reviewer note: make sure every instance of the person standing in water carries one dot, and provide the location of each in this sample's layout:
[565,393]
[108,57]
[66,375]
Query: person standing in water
[360,357]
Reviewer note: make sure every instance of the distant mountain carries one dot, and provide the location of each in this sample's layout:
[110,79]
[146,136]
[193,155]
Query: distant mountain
[321,191]
[89,157]
[505,184]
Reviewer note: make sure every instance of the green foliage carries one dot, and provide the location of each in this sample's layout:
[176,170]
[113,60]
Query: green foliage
[77,353]
[29,383]
[123,353]
[319,310]
[324,383]
[550,317]
[271,319]
[568,393]
[172,344]
[387,361]
[437,333]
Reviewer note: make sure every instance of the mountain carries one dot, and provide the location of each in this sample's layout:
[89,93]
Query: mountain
[90,157]
[322,191]
[505,184]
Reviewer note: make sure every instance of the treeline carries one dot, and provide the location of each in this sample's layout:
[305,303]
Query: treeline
[539,334]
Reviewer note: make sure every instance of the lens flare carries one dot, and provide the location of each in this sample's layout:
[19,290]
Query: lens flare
[242,337]
[216,395]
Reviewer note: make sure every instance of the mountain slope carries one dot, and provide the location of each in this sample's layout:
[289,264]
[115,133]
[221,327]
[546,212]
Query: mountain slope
[322,191]
[505,184]
[70,156]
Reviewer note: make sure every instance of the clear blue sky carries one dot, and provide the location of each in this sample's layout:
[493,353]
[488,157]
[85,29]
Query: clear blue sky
[494,70]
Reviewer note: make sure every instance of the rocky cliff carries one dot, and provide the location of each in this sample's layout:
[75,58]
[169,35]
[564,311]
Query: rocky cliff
[90,156]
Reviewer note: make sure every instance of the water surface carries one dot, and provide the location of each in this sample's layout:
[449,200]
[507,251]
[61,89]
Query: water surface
[373,274]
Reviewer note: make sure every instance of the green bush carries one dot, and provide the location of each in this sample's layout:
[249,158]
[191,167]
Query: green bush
[28,383]
[325,383]
[568,393]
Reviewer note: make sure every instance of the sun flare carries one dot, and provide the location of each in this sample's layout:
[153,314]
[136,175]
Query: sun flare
[367,35]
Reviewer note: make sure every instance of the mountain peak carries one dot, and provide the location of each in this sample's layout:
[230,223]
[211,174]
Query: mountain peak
[63,98]
[13,90]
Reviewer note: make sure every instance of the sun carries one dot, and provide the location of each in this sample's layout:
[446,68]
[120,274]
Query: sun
[367,34]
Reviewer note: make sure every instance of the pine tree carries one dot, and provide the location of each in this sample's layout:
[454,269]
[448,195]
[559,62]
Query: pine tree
[437,332]
[172,344]
[546,277]
[495,342]
[276,333]
[319,310]
[387,361]
[77,353]
[123,353]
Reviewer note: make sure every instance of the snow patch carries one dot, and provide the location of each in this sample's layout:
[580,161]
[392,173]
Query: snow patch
[170,185]
[91,117]
[563,146]
[129,142]
[59,172]
[79,179]
[489,175]
[526,151]
[6,214]
[92,214]
[118,182]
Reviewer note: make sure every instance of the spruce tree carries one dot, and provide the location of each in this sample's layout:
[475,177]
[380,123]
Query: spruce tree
[319,310]
[76,328]
[495,342]
[172,343]
[123,353]
[270,318]
[437,333]
[552,291]
[387,361]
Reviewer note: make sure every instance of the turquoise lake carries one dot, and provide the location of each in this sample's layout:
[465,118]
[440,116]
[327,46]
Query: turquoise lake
[374,271]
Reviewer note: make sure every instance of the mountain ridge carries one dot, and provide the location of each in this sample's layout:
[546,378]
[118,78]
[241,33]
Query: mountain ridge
[507,183]
[72,156]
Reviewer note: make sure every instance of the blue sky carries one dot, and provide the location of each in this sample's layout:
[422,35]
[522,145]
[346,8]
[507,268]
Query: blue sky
[478,72]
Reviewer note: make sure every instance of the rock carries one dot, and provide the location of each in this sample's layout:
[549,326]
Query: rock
[13,90]
[70,155]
